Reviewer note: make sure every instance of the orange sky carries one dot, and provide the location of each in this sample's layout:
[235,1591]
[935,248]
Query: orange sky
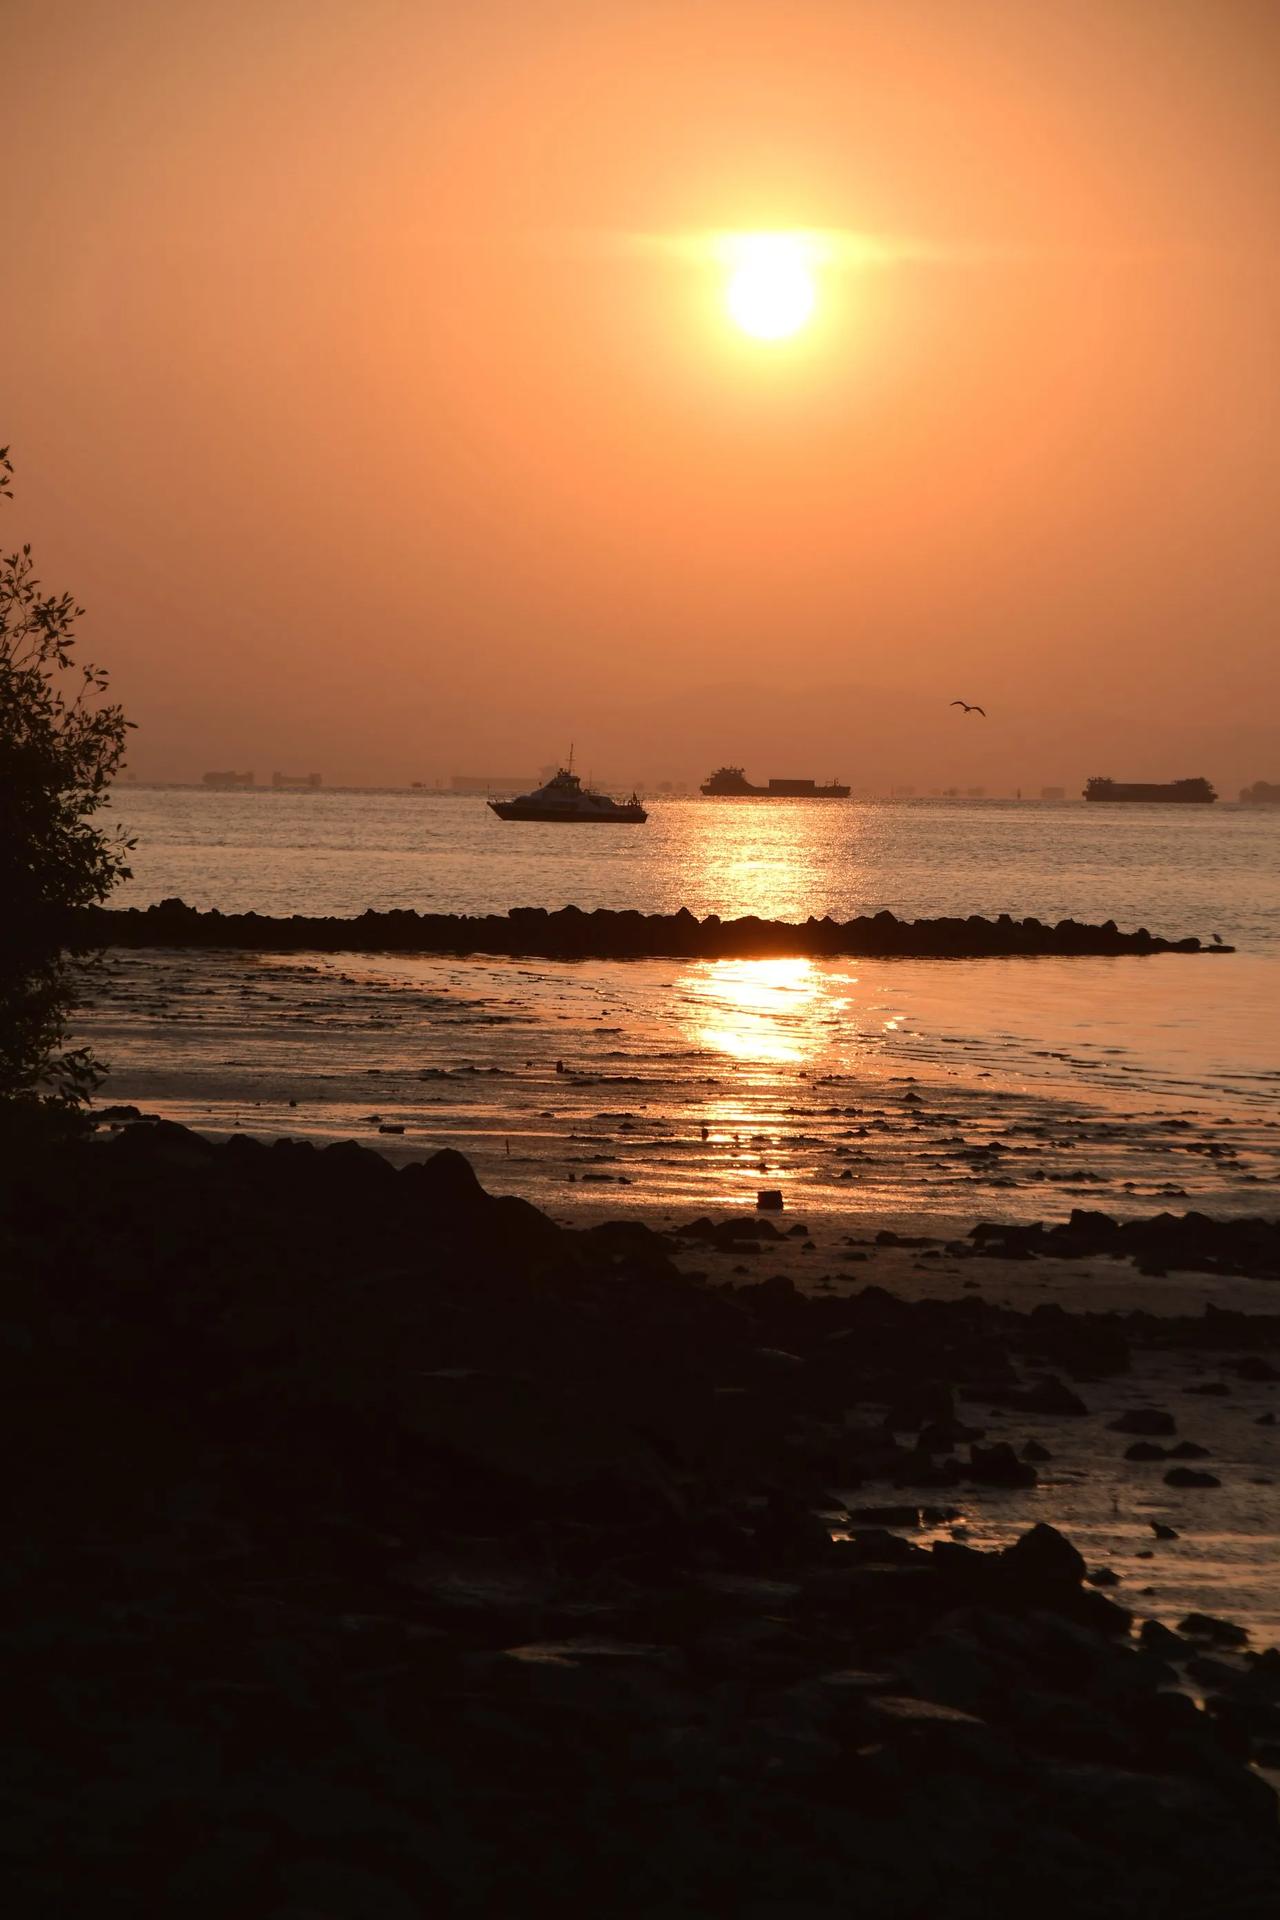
[347,394]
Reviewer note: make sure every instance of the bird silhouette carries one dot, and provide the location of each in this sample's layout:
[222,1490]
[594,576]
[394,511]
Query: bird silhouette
[970,709]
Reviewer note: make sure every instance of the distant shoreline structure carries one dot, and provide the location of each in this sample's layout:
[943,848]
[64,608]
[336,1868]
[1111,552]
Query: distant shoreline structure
[1197,792]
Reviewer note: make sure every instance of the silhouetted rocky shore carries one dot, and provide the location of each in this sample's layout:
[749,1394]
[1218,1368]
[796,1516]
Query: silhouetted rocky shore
[380,1548]
[571,934]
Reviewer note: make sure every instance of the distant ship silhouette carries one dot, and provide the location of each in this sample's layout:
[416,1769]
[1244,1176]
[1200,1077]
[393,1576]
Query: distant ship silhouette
[1184,792]
[565,799]
[730,783]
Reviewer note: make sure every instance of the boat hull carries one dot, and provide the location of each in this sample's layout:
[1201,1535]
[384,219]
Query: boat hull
[563,817]
[1176,794]
[780,792]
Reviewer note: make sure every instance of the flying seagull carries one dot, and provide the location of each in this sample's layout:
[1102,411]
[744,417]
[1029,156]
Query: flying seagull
[969,709]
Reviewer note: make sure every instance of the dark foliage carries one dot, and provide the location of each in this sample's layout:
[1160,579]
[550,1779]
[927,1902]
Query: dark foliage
[60,744]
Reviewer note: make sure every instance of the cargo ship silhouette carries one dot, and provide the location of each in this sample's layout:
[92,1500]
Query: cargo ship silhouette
[1184,792]
[729,783]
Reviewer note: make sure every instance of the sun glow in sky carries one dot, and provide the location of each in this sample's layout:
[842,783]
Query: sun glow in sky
[688,364]
[770,292]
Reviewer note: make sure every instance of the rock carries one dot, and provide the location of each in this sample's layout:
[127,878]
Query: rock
[1146,1420]
[878,1545]
[938,1436]
[999,1466]
[328,1884]
[569,933]
[1207,1626]
[1162,1640]
[164,1144]
[930,1406]
[1189,1477]
[1163,1532]
[769,1200]
[1253,1367]
[1035,1451]
[1047,1395]
[384,1539]
[927,1715]
[1150,1450]
[886,1516]
[1043,1557]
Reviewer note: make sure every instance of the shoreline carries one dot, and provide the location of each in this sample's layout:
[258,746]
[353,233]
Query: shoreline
[909,1091]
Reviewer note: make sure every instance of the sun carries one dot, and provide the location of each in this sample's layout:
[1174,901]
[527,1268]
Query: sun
[770,292]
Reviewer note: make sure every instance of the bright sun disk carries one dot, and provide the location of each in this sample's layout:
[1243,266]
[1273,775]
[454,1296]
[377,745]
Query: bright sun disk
[771,292]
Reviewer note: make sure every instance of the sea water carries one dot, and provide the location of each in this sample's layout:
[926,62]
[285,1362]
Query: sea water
[1176,869]
[1145,1080]
[871,1092]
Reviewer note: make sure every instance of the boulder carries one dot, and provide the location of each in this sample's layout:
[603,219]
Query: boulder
[999,1466]
[1144,1420]
[1044,1558]
[1207,1626]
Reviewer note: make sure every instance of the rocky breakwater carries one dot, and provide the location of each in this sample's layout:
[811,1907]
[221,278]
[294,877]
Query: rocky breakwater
[380,1548]
[571,934]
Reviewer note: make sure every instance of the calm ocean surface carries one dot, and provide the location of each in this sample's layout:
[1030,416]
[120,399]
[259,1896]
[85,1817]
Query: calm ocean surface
[1167,1031]
[1177,870]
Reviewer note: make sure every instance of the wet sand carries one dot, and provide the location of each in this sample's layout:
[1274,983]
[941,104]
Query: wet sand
[940,1092]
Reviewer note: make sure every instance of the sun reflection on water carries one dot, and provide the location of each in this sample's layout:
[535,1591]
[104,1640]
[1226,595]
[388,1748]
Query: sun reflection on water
[769,1012]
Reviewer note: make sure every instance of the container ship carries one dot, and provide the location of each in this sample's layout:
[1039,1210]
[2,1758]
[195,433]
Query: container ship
[730,783]
[1184,792]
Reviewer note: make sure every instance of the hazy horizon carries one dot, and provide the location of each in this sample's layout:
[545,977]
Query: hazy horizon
[368,380]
